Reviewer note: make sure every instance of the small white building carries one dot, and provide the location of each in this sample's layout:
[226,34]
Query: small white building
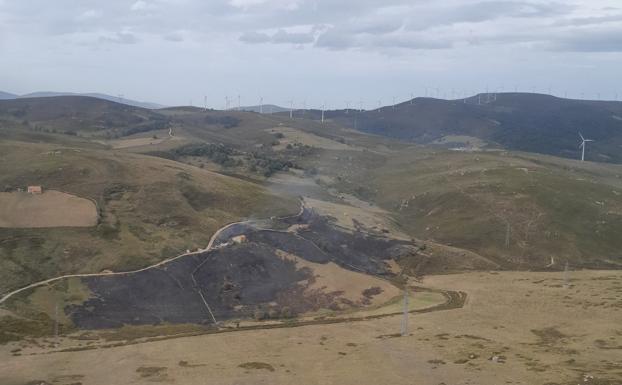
[239,239]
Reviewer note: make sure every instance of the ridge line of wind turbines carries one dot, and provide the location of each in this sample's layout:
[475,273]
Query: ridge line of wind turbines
[483,97]
[489,97]
[486,96]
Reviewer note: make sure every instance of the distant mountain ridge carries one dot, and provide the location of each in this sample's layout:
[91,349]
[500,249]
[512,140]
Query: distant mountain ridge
[7,95]
[73,114]
[516,121]
[118,99]
[265,109]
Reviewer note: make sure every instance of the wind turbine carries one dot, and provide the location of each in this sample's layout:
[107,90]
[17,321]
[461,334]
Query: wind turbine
[261,104]
[582,146]
[323,109]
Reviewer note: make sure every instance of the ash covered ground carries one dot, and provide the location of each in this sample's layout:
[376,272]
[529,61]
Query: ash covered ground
[241,275]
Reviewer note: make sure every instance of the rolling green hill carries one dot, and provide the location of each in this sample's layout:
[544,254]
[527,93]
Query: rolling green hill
[150,209]
[519,210]
[470,200]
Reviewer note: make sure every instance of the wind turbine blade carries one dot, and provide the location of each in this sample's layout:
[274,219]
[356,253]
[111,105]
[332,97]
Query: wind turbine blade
[582,138]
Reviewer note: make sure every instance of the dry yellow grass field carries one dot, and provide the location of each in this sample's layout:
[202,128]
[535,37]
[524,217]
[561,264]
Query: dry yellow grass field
[292,135]
[539,331]
[330,277]
[50,209]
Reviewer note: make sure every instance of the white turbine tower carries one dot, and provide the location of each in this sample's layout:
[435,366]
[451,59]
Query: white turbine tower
[291,109]
[582,146]
[261,104]
[323,109]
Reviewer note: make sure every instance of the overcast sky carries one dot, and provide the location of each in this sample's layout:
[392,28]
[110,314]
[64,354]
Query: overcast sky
[176,51]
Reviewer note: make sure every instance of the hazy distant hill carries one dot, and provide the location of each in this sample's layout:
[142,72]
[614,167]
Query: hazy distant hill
[6,95]
[129,102]
[73,114]
[266,109]
[518,121]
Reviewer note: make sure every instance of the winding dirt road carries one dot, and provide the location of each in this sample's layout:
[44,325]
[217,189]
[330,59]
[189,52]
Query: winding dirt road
[109,274]
[210,245]
[454,299]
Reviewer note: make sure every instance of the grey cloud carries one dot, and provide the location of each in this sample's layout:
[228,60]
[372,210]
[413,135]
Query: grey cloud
[339,40]
[335,41]
[594,20]
[255,37]
[582,41]
[377,27]
[280,37]
[292,38]
[174,37]
[486,11]
[119,38]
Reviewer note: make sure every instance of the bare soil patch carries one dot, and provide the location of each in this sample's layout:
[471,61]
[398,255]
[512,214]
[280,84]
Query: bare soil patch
[50,209]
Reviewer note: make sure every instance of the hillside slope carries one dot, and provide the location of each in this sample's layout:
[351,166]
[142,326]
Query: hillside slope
[79,114]
[517,209]
[6,95]
[516,121]
[118,99]
[150,209]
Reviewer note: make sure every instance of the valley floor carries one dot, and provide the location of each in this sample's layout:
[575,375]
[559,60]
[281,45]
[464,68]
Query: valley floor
[516,328]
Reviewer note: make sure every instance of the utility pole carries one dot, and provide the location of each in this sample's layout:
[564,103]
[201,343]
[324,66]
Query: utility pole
[56,324]
[405,316]
[566,277]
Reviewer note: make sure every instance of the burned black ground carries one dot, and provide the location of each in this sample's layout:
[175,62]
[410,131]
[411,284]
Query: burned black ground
[237,279]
